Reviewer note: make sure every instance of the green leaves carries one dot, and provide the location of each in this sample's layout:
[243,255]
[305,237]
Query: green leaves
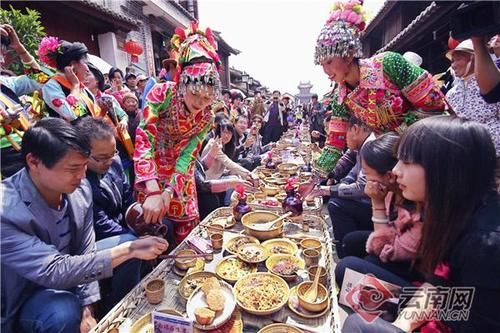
[29,30]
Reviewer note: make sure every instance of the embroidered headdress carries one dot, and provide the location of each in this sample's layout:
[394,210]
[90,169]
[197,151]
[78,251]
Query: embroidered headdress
[197,58]
[340,35]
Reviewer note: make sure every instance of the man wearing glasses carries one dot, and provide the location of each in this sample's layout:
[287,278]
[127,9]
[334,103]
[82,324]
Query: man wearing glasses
[49,260]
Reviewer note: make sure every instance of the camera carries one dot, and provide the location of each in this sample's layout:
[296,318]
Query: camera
[476,19]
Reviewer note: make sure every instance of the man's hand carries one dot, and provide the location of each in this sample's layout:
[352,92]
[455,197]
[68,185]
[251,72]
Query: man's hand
[88,321]
[148,248]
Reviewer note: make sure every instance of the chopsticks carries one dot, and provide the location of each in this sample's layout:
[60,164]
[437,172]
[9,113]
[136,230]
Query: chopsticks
[219,229]
[191,256]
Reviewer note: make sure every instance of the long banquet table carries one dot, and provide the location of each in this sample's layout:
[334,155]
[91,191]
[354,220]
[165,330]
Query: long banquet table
[135,304]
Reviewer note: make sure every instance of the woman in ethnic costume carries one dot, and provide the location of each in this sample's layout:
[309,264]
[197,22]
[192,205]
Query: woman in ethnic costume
[386,92]
[177,117]
[64,94]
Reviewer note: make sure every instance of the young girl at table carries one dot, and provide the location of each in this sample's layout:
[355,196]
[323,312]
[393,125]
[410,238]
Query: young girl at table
[460,245]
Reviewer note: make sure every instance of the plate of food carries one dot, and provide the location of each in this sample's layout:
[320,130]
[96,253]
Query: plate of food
[272,202]
[232,269]
[232,245]
[280,246]
[191,282]
[261,293]
[280,328]
[285,265]
[226,222]
[211,305]
[144,324]
[252,253]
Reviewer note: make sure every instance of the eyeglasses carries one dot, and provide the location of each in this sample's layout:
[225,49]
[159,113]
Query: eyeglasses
[104,159]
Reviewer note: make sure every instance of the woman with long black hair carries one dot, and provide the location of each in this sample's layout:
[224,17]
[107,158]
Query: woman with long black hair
[221,161]
[448,165]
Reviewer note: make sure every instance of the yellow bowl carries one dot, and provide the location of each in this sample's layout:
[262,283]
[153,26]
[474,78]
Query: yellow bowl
[233,244]
[260,195]
[281,197]
[265,171]
[321,302]
[277,258]
[271,190]
[185,264]
[311,243]
[280,246]
[322,277]
[257,224]
[288,169]
[279,328]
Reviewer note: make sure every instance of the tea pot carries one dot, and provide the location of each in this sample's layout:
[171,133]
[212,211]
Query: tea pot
[135,220]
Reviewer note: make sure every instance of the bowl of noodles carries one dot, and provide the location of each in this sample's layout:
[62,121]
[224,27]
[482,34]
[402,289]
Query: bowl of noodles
[261,293]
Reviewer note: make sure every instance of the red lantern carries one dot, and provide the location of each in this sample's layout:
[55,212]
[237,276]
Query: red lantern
[133,48]
[452,43]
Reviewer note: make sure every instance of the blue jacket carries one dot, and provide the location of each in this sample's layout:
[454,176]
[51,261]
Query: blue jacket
[112,196]
[30,261]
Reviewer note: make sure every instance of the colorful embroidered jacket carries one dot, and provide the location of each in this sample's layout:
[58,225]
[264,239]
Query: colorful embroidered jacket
[167,142]
[390,90]
[391,95]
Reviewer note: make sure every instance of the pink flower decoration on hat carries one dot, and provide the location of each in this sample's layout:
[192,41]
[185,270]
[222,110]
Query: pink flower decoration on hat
[351,12]
[48,50]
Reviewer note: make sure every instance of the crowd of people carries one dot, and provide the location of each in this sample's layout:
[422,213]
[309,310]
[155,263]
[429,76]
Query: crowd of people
[412,193]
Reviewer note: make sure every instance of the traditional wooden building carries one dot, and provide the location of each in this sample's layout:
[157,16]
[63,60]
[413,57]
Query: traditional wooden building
[105,25]
[422,27]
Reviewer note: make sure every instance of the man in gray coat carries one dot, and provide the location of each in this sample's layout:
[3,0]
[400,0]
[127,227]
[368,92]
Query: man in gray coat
[49,261]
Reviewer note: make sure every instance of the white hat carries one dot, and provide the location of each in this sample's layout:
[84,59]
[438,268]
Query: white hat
[413,57]
[465,46]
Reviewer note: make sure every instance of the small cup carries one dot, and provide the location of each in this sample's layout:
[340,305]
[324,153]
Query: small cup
[311,257]
[217,240]
[155,291]
[322,278]
[215,228]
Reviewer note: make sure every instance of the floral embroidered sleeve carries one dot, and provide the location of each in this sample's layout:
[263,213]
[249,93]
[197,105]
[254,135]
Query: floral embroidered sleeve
[157,101]
[67,107]
[416,84]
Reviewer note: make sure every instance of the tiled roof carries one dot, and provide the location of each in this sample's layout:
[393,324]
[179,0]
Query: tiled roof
[109,12]
[424,15]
